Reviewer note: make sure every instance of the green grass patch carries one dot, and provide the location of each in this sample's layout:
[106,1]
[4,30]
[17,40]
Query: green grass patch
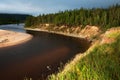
[113,34]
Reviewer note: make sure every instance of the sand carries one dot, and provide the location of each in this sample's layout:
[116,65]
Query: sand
[10,38]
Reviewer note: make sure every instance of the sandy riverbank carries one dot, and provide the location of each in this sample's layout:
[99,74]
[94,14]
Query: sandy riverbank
[10,38]
[88,32]
[61,33]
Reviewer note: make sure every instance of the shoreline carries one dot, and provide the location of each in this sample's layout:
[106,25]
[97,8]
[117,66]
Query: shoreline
[54,32]
[11,38]
[89,32]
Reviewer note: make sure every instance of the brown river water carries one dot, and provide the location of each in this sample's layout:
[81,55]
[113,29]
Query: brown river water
[39,57]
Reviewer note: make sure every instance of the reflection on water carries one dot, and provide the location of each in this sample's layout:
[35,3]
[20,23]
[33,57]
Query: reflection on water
[39,57]
[13,27]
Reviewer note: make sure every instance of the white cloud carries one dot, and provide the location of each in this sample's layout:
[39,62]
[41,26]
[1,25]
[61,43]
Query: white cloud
[18,7]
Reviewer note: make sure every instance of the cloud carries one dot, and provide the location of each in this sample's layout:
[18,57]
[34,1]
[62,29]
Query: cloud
[50,6]
[18,7]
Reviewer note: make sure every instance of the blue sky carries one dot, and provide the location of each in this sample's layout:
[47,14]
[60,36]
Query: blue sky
[36,7]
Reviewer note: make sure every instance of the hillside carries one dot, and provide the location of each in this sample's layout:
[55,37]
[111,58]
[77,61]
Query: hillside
[12,18]
[100,62]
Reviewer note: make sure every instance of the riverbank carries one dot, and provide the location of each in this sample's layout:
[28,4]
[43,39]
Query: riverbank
[100,61]
[54,32]
[96,62]
[10,38]
[89,32]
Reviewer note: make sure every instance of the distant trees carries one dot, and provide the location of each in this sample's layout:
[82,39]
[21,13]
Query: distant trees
[30,20]
[105,18]
[12,18]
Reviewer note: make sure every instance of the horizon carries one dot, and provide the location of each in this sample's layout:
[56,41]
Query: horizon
[36,8]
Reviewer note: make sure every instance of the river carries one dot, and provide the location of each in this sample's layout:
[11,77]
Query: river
[13,27]
[39,57]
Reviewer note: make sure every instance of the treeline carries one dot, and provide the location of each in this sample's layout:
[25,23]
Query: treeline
[12,18]
[105,18]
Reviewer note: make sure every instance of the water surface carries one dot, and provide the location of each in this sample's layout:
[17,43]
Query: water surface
[39,57]
[13,27]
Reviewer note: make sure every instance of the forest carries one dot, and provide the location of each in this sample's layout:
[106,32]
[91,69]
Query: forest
[12,18]
[102,17]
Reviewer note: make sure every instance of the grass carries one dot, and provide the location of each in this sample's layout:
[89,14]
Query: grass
[101,63]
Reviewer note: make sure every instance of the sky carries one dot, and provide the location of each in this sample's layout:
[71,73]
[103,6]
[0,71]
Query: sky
[36,7]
